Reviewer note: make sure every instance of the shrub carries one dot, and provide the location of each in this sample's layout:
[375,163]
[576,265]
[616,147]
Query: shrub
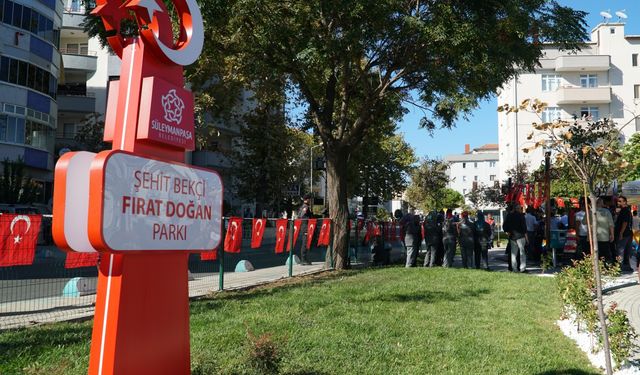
[621,334]
[264,355]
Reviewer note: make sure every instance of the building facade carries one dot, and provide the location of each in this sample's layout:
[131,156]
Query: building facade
[474,168]
[602,80]
[29,71]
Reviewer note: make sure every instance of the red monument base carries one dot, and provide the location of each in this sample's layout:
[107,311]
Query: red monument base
[142,315]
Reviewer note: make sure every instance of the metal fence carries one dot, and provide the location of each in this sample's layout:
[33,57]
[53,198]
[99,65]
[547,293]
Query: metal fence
[54,286]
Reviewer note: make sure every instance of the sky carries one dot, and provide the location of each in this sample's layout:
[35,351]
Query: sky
[481,127]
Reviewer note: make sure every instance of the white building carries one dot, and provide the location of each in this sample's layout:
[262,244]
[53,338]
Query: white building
[602,80]
[473,168]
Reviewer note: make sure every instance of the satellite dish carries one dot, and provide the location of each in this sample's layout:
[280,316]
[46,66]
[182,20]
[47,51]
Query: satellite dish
[621,15]
[606,16]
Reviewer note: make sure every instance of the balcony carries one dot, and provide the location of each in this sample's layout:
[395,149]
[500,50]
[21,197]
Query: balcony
[86,62]
[583,95]
[75,98]
[72,19]
[586,63]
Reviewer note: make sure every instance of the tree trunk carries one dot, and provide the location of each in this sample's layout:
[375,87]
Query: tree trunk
[338,208]
[596,274]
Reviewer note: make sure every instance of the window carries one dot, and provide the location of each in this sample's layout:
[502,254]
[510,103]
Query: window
[612,30]
[637,124]
[464,178]
[475,178]
[475,164]
[550,82]
[636,91]
[551,114]
[464,191]
[634,59]
[8,12]
[492,164]
[464,165]
[72,48]
[492,177]
[75,6]
[22,73]
[588,80]
[590,113]
[69,130]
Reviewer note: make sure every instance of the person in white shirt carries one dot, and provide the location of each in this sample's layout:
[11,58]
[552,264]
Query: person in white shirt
[582,231]
[532,226]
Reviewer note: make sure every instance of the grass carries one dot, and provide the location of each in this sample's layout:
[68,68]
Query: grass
[380,321]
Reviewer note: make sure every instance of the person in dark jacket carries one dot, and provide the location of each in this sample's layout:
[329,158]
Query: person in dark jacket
[483,236]
[516,227]
[449,239]
[412,237]
[432,236]
[467,236]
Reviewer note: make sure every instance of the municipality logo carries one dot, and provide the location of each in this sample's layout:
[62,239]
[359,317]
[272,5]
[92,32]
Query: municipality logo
[173,107]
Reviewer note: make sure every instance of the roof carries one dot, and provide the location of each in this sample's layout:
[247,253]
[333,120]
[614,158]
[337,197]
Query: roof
[487,147]
[488,156]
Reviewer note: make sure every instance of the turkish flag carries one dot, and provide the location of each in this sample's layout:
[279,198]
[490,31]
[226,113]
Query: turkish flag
[233,239]
[360,224]
[18,237]
[311,228]
[281,234]
[560,202]
[76,259]
[209,255]
[257,232]
[325,230]
[297,224]
[369,234]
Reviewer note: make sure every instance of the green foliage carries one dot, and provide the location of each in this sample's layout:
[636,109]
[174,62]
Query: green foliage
[631,153]
[15,186]
[577,285]
[621,335]
[383,215]
[428,189]
[264,354]
[381,166]
[91,134]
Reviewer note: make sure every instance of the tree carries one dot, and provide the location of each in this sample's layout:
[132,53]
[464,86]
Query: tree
[485,195]
[271,157]
[15,186]
[91,134]
[631,153]
[428,189]
[590,151]
[344,59]
[381,166]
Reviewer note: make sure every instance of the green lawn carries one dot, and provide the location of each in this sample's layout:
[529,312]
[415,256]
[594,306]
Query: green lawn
[380,321]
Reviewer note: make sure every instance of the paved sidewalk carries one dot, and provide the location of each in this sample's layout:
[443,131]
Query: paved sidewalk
[21,314]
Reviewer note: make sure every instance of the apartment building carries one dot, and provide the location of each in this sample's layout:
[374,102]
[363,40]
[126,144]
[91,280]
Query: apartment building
[29,71]
[473,168]
[602,80]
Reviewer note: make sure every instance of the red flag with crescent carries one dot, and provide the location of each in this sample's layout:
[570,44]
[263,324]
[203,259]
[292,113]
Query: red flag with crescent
[18,238]
[76,260]
[233,239]
[209,255]
[257,232]
[297,224]
[281,234]
[325,230]
[311,228]
[369,232]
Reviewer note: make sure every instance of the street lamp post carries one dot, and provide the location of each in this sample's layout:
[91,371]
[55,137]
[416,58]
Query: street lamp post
[311,169]
[547,202]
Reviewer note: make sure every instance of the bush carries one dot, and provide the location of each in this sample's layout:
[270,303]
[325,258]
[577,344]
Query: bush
[621,334]
[264,355]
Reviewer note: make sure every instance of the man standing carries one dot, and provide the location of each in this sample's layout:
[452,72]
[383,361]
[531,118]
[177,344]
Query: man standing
[583,235]
[432,236]
[532,225]
[449,235]
[624,222]
[412,237]
[515,226]
[304,213]
[604,235]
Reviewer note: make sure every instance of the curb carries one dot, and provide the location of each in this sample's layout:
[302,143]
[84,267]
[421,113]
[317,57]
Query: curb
[616,287]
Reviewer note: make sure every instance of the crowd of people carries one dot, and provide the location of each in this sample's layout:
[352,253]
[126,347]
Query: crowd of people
[617,235]
[442,232]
